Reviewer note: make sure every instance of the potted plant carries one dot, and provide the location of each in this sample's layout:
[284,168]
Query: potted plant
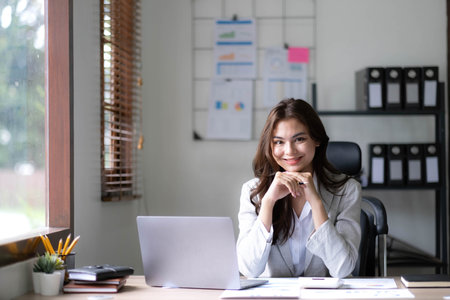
[48,274]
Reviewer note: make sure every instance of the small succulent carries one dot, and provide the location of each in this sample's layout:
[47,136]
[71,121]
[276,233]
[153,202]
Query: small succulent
[48,263]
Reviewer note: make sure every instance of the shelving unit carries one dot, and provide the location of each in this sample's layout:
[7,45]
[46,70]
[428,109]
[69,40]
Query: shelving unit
[440,261]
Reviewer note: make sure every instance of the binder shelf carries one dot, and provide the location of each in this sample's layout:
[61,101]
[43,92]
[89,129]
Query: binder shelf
[411,162]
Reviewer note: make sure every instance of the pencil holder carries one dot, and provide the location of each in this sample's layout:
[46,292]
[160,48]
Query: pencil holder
[69,260]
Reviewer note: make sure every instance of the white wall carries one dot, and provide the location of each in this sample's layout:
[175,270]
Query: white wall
[204,178]
[108,230]
[184,177]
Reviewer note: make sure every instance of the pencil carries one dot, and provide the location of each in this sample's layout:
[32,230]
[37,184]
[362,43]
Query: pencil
[66,244]
[59,246]
[74,242]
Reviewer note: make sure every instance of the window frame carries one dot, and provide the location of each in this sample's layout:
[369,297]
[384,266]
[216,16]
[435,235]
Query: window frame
[59,136]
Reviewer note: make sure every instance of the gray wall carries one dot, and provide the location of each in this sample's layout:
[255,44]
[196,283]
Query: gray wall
[184,177]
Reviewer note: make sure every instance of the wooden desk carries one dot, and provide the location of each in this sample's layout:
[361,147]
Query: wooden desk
[136,289]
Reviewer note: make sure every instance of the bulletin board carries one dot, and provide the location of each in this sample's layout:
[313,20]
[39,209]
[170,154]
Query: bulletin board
[283,23]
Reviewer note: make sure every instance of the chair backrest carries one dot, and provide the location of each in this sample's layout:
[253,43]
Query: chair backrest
[346,157]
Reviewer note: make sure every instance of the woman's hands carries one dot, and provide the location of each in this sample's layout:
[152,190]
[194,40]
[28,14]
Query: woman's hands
[298,184]
[301,186]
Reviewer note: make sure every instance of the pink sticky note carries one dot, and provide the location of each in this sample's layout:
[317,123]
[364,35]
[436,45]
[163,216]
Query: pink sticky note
[298,55]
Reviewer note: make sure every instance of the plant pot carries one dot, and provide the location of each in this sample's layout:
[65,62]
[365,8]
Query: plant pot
[36,276]
[50,283]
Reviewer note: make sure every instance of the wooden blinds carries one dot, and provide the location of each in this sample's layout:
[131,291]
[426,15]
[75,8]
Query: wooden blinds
[121,103]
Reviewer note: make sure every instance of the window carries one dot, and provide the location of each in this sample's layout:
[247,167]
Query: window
[22,117]
[49,98]
[121,99]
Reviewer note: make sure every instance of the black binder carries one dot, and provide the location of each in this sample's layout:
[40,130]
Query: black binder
[377,154]
[370,88]
[394,88]
[432,172]
[414,164]
[430,87]
[396,164]
[412,77]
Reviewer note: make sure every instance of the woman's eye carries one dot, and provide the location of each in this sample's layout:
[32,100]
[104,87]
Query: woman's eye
[300,139]
[277,142]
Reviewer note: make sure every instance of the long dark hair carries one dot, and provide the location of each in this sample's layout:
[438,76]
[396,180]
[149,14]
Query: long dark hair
[265,166]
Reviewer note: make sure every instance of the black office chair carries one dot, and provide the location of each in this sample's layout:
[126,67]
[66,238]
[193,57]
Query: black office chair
[346,157]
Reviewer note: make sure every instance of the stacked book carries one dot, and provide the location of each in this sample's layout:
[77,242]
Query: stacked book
[97,279]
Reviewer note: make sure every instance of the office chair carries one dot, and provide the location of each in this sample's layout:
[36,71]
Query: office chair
[346,157]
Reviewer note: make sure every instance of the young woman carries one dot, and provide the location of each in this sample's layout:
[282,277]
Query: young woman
[299,216]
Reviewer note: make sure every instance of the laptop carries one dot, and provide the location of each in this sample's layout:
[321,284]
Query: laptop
[190,252]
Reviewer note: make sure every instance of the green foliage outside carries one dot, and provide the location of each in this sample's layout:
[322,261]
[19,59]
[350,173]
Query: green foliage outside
[22,109]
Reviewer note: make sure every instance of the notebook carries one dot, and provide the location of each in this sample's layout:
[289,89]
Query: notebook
[190,252]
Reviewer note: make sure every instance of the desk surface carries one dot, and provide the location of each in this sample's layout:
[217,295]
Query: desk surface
[136,289]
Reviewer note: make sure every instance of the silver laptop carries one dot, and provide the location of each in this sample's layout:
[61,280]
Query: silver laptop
[190,252]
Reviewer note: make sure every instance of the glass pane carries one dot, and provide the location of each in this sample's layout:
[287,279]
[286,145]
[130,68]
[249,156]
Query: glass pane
[22,117]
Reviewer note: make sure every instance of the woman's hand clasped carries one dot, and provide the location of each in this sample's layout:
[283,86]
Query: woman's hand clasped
[297,184]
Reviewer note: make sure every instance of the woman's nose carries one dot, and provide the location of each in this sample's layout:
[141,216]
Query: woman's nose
[289,148]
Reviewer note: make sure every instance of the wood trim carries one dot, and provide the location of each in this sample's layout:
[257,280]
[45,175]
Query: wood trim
[59,114]
[59,136]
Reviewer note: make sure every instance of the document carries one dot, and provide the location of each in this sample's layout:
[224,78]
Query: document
[230,110]
[274,288]
[364,288]
[235,49]
[285,74]
[355,293]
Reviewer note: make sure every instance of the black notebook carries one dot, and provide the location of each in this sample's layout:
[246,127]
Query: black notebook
[99,272]
[426,280]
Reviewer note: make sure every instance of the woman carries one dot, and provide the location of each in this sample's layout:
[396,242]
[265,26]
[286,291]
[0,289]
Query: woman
[299,216]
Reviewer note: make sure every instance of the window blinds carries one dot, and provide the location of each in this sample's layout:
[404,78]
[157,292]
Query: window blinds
[121,102]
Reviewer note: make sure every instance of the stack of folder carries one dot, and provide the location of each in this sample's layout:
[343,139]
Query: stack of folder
[97,279]
[398,88]
[404,164]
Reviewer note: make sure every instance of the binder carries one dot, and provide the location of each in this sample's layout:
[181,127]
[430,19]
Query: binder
[377,154]
[432,172]
[430,87]
[395,164]
[370,88]
[414,164]
[394,87]
[412,77]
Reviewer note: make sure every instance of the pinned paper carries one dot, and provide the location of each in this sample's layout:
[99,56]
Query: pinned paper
[298,55]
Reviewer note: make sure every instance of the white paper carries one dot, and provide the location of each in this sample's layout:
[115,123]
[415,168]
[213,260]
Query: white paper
[412,93]
[375,98]
[377,170]
[432,169]
[282,79]
[235,49]
[355,293]
[393,93]
[274,288]
[369,283]
[230,110]
[396,169]
[430,92]
[414,169]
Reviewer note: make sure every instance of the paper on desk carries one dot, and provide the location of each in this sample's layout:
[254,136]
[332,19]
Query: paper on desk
[369,283]
[274,288]
[355,293]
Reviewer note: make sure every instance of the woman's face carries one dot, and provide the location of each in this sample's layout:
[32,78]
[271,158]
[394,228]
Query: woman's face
[292,147]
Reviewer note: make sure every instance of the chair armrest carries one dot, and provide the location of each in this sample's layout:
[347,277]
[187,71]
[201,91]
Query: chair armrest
[380,213]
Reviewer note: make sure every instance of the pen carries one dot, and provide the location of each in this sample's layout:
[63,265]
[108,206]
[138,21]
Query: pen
[59,246]
[66,244]
[74,242]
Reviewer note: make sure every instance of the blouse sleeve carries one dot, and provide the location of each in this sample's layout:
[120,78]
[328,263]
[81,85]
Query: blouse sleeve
[254,242]
[337,243]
